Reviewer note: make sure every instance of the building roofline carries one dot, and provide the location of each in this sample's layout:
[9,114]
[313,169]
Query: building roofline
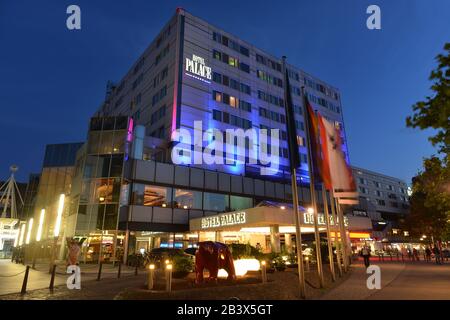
[377,173]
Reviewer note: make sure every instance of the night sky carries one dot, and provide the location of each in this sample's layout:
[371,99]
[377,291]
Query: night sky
[52,79]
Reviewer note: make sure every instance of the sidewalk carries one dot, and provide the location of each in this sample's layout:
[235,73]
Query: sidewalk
[12,275]
[399,281]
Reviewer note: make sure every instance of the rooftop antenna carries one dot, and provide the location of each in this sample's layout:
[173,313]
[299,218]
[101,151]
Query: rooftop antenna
[8,197]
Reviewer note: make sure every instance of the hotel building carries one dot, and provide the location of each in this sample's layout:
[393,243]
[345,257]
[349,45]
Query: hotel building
[126,193]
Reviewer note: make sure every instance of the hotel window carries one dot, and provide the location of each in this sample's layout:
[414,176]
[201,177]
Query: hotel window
[150,195]
[225,98]
[233,61]
[244,51]
[215,202]
[217,77]
[225,41]
[226,117]
[240,203]
[234,84]
[233,101]
[217,55]
[244,67]
[245,88]
[217,96]
[187,199]
[244,105]
[217,115]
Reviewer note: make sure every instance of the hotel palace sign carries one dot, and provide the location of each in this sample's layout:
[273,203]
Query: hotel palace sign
[308,218]
[225,219]
[196,68]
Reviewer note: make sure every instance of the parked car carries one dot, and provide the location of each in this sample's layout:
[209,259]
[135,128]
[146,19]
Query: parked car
[158,256]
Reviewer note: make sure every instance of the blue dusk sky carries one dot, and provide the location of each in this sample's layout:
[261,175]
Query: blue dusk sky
[53,79]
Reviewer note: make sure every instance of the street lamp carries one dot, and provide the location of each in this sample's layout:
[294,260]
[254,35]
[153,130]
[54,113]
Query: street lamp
[30,227]
[41,223]
[22,234]
[59,215]
[38,236]
[57,229]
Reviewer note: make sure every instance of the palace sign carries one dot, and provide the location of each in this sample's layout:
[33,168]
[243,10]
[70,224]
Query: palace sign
[196,68]
[222,220]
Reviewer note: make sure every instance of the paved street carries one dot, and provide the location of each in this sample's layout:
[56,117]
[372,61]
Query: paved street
[12,274]
[410,280]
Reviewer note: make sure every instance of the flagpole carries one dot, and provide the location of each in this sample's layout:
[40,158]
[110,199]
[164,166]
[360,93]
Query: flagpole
[343,235]
[313,194]
[327,224]
[335,223]
[298,235]
[294,158]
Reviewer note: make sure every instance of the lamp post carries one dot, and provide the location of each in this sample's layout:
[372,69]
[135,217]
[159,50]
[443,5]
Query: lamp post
[169,277]
[38,236]
[150,281]
[57,229]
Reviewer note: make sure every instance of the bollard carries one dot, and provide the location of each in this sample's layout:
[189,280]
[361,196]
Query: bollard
[263,272]
[99,275]
[136,270]
[25,281]
[403,258]
[169,278]
[52,279]
[120,270]
[150,281]
[390,254]
[307,263]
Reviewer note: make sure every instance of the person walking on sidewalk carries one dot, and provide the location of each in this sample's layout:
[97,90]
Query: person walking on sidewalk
[416,254]
[437,254]
[365,252]
[428,254]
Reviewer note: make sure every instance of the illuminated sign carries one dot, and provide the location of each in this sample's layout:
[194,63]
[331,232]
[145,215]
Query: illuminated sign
[308,218]
[196,68]
[359,235]
[222,220]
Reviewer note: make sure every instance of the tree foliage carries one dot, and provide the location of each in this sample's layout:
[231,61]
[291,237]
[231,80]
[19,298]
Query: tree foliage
[430,200]
[434,112]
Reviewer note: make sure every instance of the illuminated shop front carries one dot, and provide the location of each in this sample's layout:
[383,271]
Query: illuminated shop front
[266,227]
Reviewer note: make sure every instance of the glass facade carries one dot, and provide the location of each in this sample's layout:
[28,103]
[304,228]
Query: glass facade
[102,174]
[159,196]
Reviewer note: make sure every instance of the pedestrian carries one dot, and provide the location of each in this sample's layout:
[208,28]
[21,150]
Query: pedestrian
[365,252]
[410,256]
[416,255]
[437,254]
[428,254]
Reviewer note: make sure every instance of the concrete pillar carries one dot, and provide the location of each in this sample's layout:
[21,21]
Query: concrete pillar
[288,242]
[219,236]
[275,239]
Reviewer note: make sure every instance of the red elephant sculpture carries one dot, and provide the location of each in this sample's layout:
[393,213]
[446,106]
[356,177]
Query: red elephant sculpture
[213,256]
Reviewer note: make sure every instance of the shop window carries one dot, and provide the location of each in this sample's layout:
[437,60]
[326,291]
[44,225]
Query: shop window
[110,217]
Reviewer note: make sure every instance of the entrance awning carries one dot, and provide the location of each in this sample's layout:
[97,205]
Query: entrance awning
[257,217]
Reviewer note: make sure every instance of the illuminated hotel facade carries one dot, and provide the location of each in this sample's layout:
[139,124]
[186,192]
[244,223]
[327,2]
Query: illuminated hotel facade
[128,195]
